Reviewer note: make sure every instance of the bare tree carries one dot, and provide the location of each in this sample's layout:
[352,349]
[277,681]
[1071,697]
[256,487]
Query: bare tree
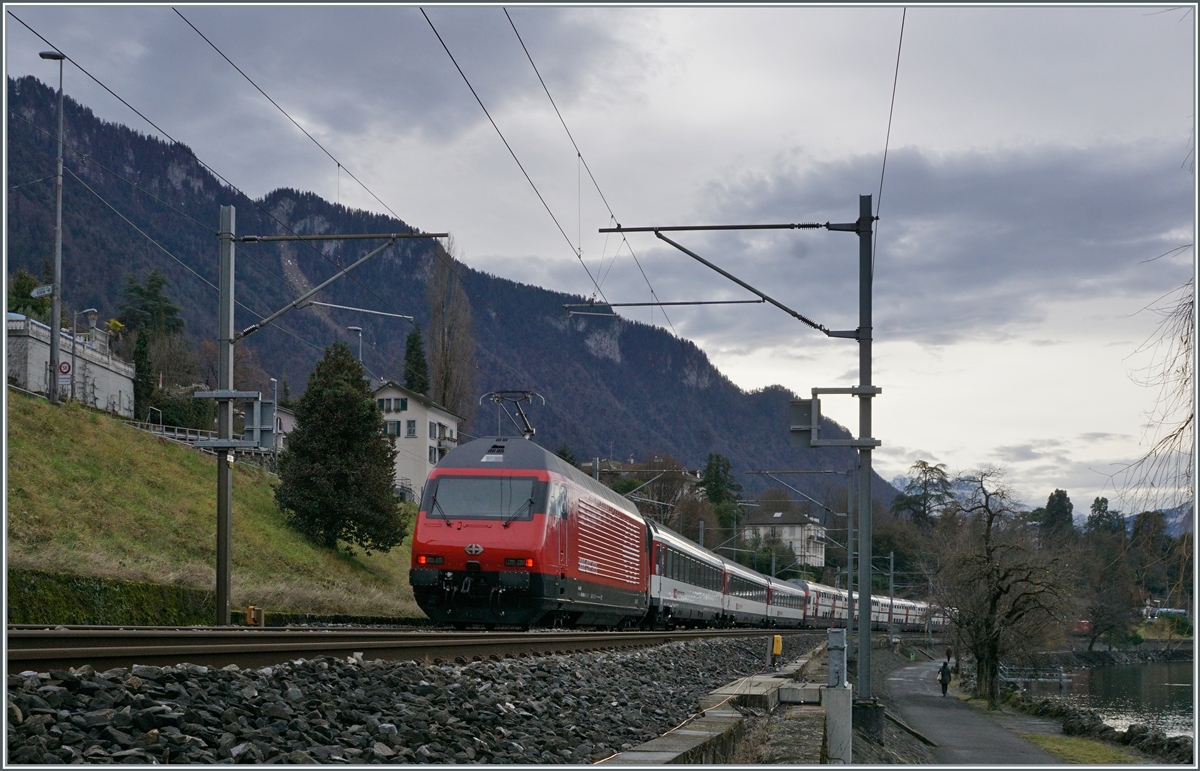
[248,374]
[1163,476]
[451,344]
[1003,593]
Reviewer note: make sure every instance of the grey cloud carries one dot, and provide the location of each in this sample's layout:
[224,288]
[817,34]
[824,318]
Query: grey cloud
[969,244]
[1101,436]
[347,74]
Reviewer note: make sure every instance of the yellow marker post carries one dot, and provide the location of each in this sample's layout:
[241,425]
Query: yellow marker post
[777,647]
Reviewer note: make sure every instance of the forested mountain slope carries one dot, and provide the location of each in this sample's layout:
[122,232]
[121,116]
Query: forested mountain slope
[622,385]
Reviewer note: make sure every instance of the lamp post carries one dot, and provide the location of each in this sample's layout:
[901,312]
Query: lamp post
[359,331]
[56,293]
[91,314]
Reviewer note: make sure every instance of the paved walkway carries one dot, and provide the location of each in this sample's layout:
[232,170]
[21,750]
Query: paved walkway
[963,735]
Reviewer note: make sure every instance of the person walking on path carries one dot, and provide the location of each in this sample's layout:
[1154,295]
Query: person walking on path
[944,676]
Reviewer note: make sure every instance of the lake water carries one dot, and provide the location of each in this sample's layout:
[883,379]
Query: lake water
[1158,695]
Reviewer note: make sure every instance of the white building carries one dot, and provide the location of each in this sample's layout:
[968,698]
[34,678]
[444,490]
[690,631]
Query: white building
[285,421]
[102,380]
[422,431]
[803,535]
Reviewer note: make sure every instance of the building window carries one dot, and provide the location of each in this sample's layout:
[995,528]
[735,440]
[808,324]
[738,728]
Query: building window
[403,404]
[432,454]
[392,427]
[432,430]
[410,429]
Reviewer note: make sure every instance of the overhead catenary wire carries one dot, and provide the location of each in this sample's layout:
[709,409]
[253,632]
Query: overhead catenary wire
[289,117]
[439,253]
[168,252]
[192,153]
[576,250]
[89,159]
[32,181]
[583,161]
[446,258]
[888,138]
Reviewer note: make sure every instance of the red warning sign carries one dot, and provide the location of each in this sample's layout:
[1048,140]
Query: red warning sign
[64,367]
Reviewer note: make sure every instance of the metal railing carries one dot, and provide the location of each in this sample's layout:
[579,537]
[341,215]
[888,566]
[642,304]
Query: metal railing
[178,433]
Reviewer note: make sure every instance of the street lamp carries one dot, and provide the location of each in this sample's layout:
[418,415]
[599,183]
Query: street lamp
[91,315]
[359,331]
[56,293]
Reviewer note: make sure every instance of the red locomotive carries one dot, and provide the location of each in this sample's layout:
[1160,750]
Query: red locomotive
[510,534]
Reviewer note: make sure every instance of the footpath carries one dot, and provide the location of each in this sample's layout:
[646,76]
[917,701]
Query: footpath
[963,736]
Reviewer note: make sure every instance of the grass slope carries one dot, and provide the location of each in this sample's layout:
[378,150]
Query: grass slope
[89,495]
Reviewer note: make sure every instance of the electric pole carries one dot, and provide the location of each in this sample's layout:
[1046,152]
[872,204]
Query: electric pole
[56,293]
[225,395]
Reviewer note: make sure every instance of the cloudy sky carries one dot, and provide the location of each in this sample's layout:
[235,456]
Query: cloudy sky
[1039,160]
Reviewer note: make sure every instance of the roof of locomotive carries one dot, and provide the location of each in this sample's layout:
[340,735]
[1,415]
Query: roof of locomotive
[526,455]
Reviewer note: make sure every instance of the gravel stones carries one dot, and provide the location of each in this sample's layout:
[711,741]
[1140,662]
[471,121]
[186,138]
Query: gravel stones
[550,709]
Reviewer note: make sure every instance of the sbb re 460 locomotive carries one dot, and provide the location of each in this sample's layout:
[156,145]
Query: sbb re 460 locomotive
[509,534]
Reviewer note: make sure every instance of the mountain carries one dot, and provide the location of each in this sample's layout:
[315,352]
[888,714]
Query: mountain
[1179,520]
[623,385]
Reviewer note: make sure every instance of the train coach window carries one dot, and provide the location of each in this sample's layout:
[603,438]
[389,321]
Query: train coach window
[501,498]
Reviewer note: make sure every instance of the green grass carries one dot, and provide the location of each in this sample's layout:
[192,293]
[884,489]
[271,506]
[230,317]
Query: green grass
[1075,749]
[88,495]
[1162,628]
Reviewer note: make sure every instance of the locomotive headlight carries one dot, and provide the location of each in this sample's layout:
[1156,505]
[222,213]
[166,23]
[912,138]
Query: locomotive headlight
[518,562]
[430,560]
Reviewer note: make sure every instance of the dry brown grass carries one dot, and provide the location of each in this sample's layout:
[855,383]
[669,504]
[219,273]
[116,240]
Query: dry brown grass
[91,496]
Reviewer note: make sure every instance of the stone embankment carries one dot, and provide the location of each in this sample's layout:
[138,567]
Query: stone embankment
[1087,723]
[1090,659]
[575,708]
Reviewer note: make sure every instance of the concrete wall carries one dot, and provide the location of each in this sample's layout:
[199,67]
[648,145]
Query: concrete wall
[101,380]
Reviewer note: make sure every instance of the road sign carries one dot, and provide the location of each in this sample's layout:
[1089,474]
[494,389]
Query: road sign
[64,381]
[42,291]
[64,368]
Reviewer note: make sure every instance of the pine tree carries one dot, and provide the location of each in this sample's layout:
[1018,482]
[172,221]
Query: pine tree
[336,475]
[416,369]
[717,480]
[1058,522]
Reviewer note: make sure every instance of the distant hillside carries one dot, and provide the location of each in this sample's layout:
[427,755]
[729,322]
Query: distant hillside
[88,495]
[627,386]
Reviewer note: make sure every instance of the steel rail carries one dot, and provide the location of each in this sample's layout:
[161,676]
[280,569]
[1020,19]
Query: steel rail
[106,648]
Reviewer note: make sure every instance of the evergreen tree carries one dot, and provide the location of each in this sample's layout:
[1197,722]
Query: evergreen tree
[1057,521]
[717,480]
[19,300]
[143,377]
[1102,520]
[565,453]
[416,369]
[336,476]
[147,306]
[925,496]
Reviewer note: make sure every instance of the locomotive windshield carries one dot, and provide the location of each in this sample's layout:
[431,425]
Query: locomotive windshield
[506,499]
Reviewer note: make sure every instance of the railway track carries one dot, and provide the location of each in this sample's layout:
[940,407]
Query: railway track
[43,648]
